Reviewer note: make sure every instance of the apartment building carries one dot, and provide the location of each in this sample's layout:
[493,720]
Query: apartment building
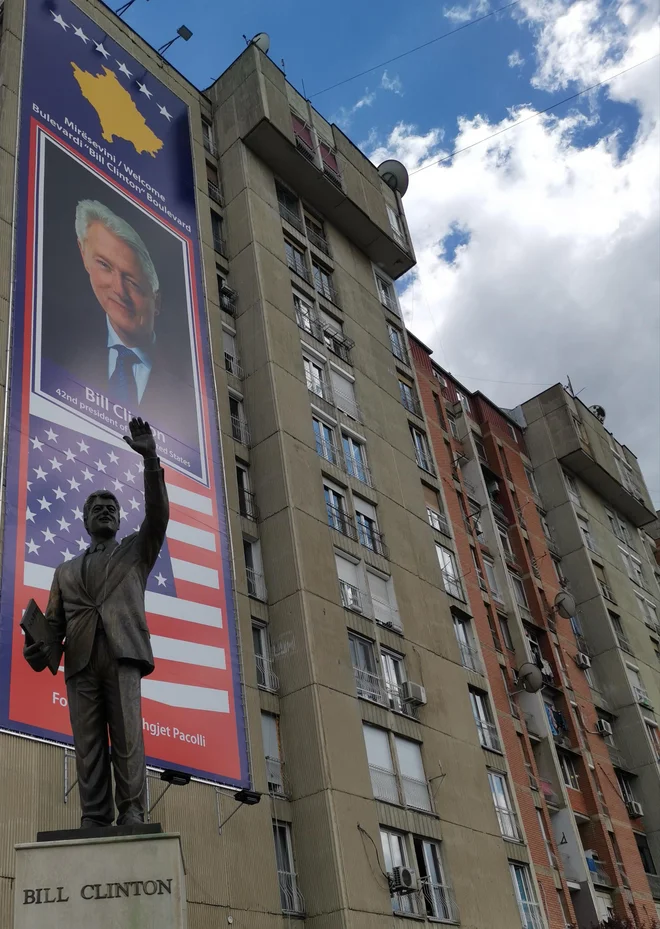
[556,760]
[376,804]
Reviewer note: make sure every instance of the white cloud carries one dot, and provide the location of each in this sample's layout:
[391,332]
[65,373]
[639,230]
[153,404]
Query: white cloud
[345,115]
[515,59]
[392,83]
[558,271]
[463,14]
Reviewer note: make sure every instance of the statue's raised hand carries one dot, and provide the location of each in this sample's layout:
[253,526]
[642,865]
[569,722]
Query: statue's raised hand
[141,439]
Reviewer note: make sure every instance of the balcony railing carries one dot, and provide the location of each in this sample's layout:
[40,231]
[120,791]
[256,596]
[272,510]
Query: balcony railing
[210,146]
[617,757]
[291,899]
[300,268]
[327,290]
[361,601]
[215,193]
[384,784]
[372,539]
[398,350]
[291,217]
[605,591]
[416,793]
[232,365]
[411,404]
[309,322]
[347,404]
[424,461]
[598,873]
[228,300]
[356,467]
[452,586]
[318,241]
[247,505]
[508,824]
[305,149]
[341,521]
[589,542]
[389,301]
[394,694]
[400,239]
[438,901]
[641,696]
[439,521]
[274,777]
[320,387]
[623,643]
[369,686]
[240,430]
[333,176]
[266,677]
[470,658]
[328,450]
[488,735]
[530,915]
[337,342]
[351,597]
[219,244]
[256,584]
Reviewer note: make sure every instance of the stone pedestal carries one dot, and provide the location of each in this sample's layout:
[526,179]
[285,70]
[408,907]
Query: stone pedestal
[132,882]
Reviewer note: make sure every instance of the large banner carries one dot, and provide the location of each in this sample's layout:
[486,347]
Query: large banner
[109,322]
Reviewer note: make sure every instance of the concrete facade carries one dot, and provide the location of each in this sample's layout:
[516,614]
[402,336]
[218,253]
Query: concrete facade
[339,604]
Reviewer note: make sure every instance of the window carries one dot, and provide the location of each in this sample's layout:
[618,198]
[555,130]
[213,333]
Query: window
[334,338]
[395,855]
[512,430]
[226,296]
[207,137]
[396,226]
[573,490]
[315,378]
[381,592]
[569,774]
[422,450]
[480,449]
[545,525]
[466,645]
[489,568]
[453,426]
[450,576]
[394,674]
[437,898]
[503,806]
[367,527]
[484,719]
[603,583]
[330,166]
[561,577]
[475,509]
[506,631]
[519,591]
[503,533]
[635,572]
[306,315]
[303,137]
[323,283]
[434,512]
[625,785]
[289,207]
[365,669]
[295,259]
[604,906]
[586,534]
[256,585]
[438,409]
[216,231]
[247,505]
[648,611]
[335,505]
[654,738]
[524,890]
[463,400]
[638,689]
[621,637]
[239,427]
[325,441]
[531,480]
[270,733]
[544,834]
[645,853]
[406,786]
[386,294]
[618,527]
[290,897]
[349,584]
[397,344]
[356,458]
[213,183]
[344,394]
[232,365]
[316,234]
[266,677]
[409,398]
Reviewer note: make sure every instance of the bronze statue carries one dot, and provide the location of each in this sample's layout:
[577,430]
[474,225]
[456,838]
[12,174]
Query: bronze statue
[96,617]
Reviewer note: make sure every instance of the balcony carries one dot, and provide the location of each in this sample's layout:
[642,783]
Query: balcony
[256,585]
[219,244]
[266,677]
[438,521]
[232,366]
[291,900]
[215,193]
[318,241]
[275,777]
[247,505]
[452,586]
[291,217]
[470,658]
[411,404]
[240,430]
[384,784]
[598,874]
[372,539]
[488,735]
[341,521]
[548,791]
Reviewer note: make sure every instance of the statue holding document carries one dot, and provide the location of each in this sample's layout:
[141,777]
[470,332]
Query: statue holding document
[95,617]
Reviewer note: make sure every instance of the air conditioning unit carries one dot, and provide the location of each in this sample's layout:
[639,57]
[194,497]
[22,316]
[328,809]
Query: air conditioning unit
[583,661]
[634,808]
[413,693]
[403,881]
[603,727]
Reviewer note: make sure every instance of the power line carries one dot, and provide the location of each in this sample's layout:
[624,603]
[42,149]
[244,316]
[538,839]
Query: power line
[534,115]
[489,380]
[410,51]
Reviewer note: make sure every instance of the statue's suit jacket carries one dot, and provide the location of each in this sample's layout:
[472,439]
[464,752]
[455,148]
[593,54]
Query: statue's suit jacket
[73,614]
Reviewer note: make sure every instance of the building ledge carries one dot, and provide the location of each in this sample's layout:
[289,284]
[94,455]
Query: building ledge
[583,466]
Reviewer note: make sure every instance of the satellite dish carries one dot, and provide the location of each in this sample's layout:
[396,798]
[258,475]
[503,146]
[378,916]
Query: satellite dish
[395,175]
[598,411]
[565,604]
[530,677]
[262,41]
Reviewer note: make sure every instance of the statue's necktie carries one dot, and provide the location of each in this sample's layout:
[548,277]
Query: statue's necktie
[122,381]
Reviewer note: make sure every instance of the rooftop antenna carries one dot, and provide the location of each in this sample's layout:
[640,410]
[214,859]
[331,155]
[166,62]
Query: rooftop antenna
[569,386]
[182,33]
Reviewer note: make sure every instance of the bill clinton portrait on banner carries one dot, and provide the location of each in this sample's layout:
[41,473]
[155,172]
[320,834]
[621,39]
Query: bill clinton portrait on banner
[115,311]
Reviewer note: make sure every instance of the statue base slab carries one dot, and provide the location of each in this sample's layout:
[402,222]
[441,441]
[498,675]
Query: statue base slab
[105,882]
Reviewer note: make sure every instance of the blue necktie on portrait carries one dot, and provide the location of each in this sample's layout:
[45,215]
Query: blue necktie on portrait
[122,381]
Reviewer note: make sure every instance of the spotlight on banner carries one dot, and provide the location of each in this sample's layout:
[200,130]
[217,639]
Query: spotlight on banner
[182,33]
